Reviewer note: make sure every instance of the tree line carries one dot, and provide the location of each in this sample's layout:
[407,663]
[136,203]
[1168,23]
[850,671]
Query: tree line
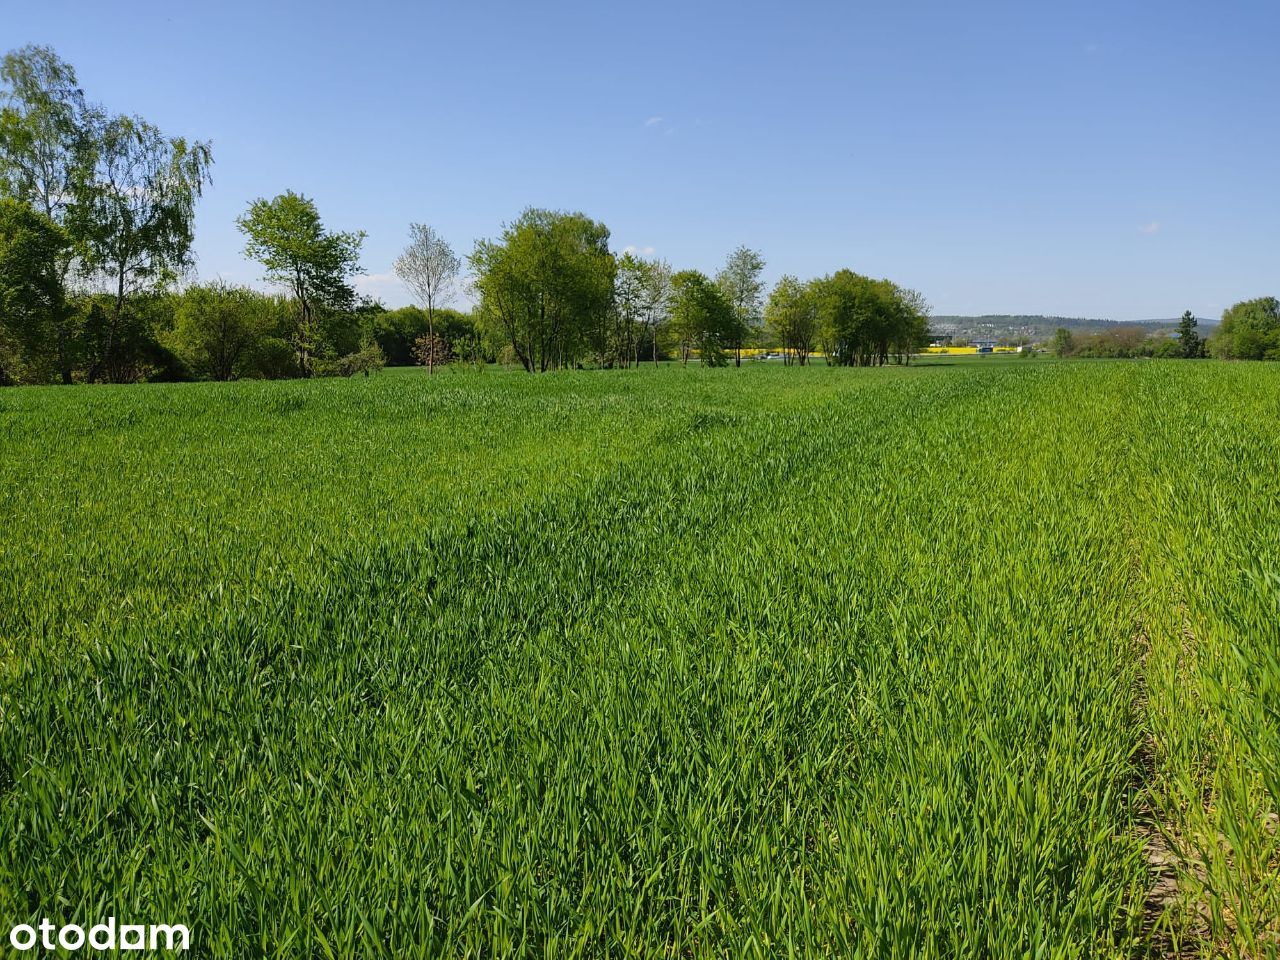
[551,295]
[96,230]
[1249,330]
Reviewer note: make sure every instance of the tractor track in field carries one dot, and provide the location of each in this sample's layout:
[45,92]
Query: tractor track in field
[1165,931]
[1161,850]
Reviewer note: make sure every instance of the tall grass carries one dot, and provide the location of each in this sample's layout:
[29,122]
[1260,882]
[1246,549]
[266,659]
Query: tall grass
[679,663]
[1211,525]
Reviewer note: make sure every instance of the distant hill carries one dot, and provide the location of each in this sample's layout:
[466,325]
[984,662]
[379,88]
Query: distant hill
[1039,327]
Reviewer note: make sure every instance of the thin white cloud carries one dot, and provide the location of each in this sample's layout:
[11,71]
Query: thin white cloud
[653,121]
[1150,229]
[381,286]
[643,251]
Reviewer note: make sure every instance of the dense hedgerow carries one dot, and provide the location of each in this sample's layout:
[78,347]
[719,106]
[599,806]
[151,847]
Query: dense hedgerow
[657,663]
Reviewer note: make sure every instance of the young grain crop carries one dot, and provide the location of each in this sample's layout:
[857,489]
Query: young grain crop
[711,663]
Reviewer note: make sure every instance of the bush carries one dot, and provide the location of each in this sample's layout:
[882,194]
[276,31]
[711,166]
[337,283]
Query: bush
[273,358]
[366,360]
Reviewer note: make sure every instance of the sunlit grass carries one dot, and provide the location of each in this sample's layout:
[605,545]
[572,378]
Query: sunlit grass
[758,662]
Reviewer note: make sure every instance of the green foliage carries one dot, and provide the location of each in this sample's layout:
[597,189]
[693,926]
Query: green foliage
[792,317]
[702,319]
[46,132]
[1122,342]
[219,330]
[272,358]
[741,283]
[1125,341]
[398,331]
[1208,599]
[124,196]
[622,347]
[46,162]
[1250,330]
[546,288]
[366,360]
[607,691]
[285,234]
[1190,344]
[137,217]
[32,297]
[864,322]
[137,336]
[641,305]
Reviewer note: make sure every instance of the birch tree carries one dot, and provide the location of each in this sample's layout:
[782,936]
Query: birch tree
[138,216]
[741,283]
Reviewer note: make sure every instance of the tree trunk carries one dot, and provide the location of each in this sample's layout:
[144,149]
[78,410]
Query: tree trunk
[304,328]
[431,332]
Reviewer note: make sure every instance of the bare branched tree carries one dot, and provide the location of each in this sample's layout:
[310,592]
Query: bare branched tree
[429,268]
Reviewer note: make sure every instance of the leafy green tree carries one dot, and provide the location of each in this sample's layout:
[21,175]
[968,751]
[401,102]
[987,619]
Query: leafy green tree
[702,318]
[138,218]
[848,317]
[741,282]
[1250,330]
[46,161]
[546,288]
[862,322]
[46,131]
[32,296]
[123,194]
[1062,342]
[343,332]
[792,316]
[844,316]
[285,234]
[1192,346]
[219,329]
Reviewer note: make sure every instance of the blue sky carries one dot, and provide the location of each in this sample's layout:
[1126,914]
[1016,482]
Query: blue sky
[1096,159]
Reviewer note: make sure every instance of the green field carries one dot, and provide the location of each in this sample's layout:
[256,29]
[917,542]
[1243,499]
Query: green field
[918,662]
